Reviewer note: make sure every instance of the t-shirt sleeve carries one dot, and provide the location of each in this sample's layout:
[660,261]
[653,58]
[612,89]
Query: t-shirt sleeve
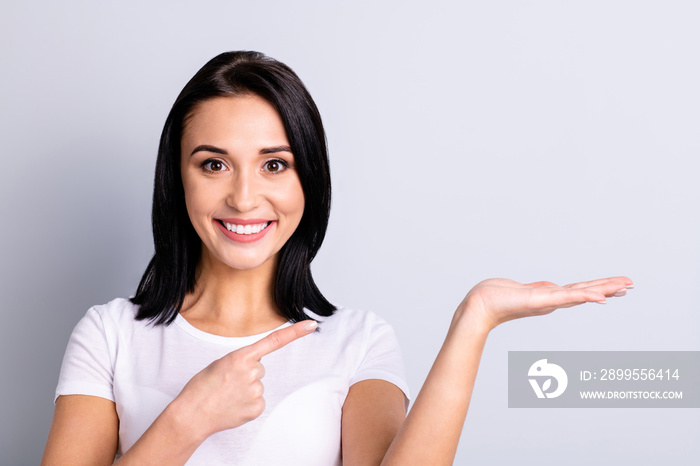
[88,367]
[382,359]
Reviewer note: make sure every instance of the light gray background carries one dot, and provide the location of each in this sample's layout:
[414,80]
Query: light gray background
[525,139]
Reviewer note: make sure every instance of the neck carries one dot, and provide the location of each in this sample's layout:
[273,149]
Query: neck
[232,302]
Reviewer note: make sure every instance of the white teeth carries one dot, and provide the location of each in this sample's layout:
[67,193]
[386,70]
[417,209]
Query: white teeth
[246,229]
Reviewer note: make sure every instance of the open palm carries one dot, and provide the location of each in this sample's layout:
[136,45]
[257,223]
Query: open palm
[499,300]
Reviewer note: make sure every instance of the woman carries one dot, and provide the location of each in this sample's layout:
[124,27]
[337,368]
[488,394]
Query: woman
[241,203]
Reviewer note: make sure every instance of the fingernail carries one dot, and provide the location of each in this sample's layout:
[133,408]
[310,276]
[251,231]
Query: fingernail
[310,325]
[629,287]
[601,302]
[620,293]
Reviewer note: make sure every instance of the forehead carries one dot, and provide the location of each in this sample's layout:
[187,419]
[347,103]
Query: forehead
[230,120]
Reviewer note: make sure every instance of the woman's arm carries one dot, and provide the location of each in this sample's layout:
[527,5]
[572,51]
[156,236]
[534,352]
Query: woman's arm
[374,430]
[84,431]
[431,431]
[373,413]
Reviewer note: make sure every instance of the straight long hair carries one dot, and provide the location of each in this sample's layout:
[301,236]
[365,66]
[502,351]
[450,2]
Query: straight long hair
[170,275]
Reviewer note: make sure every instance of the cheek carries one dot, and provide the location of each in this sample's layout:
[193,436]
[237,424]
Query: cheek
[199,198]
[293,200]
[190,198]
[287,200]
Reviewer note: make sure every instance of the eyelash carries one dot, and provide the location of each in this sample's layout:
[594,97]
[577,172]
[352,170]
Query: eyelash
[208,162]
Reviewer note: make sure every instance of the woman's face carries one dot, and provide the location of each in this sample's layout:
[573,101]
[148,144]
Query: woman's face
[243,194]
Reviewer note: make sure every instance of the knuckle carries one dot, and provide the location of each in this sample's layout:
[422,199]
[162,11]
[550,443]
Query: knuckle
[274,340]
[256,408]
[258,389]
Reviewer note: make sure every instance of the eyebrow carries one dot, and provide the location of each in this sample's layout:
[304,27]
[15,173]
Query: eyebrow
[206,148]
[217,150]
[273,150]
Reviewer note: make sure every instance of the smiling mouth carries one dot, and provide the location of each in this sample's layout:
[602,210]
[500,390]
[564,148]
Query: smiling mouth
[245,229]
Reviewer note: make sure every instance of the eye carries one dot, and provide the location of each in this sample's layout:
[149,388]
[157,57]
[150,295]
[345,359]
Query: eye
[276,165]
[213,165]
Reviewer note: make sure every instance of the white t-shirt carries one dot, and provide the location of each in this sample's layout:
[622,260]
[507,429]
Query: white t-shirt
[143,367]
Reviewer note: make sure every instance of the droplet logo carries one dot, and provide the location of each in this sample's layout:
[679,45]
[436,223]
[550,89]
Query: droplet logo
[542,370]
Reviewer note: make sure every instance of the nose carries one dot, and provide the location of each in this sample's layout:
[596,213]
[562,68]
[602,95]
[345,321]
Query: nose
[244,192]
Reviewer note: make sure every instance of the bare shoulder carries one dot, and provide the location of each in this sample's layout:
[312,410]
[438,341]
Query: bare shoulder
[84,430]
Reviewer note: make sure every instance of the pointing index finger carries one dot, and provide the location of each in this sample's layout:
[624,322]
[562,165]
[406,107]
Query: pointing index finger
[282,337]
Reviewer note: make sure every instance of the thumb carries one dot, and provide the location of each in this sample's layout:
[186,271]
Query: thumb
[282,337]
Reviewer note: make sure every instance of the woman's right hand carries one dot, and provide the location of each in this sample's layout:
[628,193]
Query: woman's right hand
[229,391]
[225,394]
[431,432]
[499,300]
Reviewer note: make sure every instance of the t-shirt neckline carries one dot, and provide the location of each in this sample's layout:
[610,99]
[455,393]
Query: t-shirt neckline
[191,330]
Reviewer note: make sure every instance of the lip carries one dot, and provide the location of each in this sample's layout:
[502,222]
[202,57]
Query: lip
[239,221]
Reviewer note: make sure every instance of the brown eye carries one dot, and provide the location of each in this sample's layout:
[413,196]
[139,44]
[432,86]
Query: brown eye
[275,166]
[214,165]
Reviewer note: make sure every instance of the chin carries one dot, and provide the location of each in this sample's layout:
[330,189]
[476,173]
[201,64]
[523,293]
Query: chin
[241,262]
[239,265]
